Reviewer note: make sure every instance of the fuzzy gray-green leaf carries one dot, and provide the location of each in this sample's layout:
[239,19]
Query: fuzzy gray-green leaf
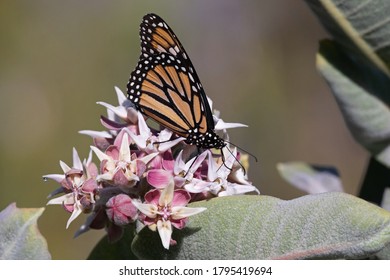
[20,238]
[361,27]
[330,226]
[357,88]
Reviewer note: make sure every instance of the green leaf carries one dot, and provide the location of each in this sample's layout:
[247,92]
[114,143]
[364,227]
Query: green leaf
[384,254]
[322,226]
[311,178]
[356,88]
[361,27]
[20,238]
[120,250]
[356,66]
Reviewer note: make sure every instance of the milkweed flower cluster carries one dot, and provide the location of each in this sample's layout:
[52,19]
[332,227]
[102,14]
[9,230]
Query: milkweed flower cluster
[145,175]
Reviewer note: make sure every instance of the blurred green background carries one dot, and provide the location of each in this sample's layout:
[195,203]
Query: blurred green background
[256,60]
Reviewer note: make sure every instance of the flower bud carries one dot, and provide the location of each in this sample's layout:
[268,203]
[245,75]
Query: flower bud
[120,210]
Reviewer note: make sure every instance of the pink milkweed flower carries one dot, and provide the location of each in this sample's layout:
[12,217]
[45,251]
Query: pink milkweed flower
[227,180]
[118,166]
[118,117]
[188,175]
[183,173]
[148,142]
[165,208]
[124,111]
[79,185]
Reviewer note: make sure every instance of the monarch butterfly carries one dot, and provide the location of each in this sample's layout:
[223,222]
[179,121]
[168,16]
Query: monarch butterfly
[165,87]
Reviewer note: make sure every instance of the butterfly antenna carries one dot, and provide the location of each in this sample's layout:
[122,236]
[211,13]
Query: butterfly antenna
[189,169]
[223,160]
[245,151]
[191,166]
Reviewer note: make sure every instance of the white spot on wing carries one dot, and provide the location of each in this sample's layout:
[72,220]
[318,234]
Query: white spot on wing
[172,51]
[192,78]
[160,49]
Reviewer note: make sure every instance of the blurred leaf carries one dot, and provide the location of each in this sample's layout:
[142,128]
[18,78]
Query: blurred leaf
[386,199]
[20,238]
[354,85]
[356,67]
[119,250]
[327,226]
[361,27]
[311,178]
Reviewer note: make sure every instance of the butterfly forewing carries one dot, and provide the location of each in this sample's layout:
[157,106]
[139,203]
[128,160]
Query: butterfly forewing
[157,37]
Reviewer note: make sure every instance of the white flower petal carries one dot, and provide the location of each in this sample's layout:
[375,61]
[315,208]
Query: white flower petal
[56,177]
[96,134]
[88,161]
[76,212]
[130,176]
[164,146]
[212,168]
[229,159]
[120,95]
[64,199]
[119,111]
[101,156]
[76,160]
[164,135]
[149,210]
[148,158]
[195,165]
[236,189]
[197,186]
[180,212]
[179,163]
[104,177]
[238,176]
[166,196]
[124,152]
[143,127]
[221,125]
[215,188]
[64,166]
[112,116]
[165,231]
[139,140]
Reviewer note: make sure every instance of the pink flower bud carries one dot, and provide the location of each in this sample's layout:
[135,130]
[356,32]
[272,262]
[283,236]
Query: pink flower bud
[120,210]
